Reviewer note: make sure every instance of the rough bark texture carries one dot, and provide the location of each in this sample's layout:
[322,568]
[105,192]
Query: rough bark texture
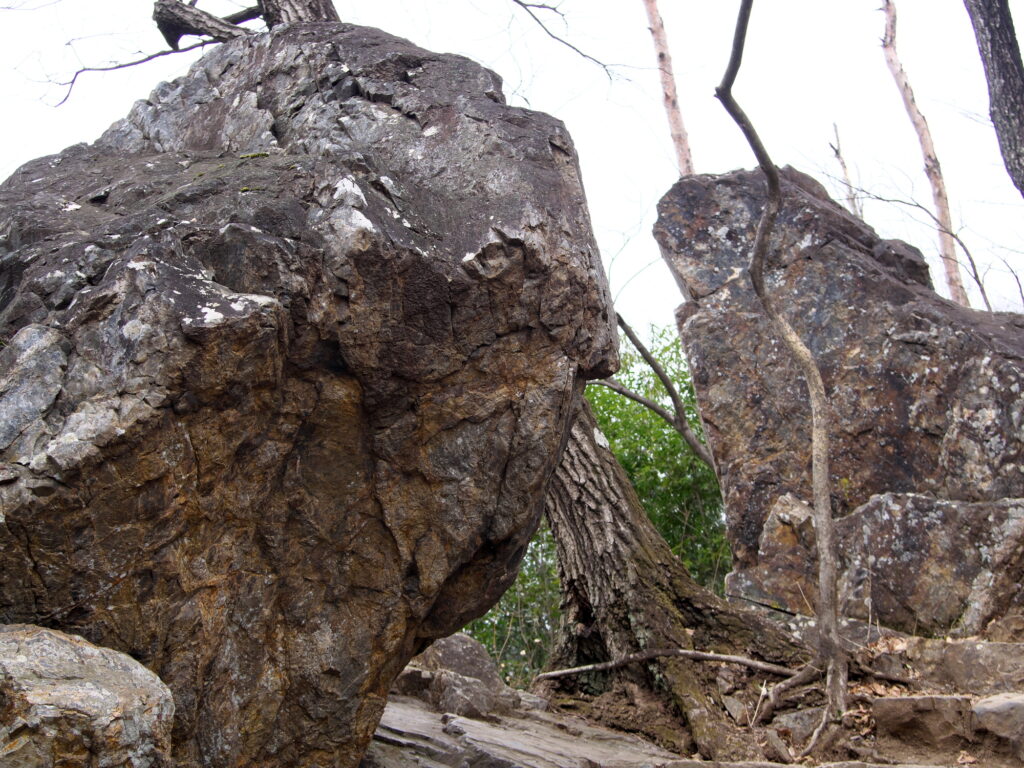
[291,11]
[624,591]
[64,703]
[926,395]
[1004,71]
[174,19]
[290,355]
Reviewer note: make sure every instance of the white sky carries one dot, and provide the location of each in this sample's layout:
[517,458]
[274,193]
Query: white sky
[809,63]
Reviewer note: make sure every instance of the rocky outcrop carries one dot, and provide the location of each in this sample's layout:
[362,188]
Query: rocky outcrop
[927,452]
[64,703]
[289,357]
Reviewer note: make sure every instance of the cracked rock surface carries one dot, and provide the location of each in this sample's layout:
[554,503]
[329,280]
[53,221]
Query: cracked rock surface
[288,358]
[927,446]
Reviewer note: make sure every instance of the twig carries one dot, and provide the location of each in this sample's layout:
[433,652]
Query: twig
[528,7]
[618,387]
[971,263]
[761,666]
[124,65]
[830,651]
[680,422]
[1016,277]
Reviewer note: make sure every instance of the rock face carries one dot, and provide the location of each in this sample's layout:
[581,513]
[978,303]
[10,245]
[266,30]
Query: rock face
[64,703]
[928,439]
[289,358]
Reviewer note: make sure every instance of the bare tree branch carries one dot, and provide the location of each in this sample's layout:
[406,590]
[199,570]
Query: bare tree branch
[831,654]
[244,15]
[932,169]
[124,65]
[529,7]
[668,88]
[174,19]
[680,422]
[855,205]
[1016,277]
[972,265]
[616,386]
[762,666]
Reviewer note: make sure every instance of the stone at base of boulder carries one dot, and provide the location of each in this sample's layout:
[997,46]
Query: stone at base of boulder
[951,723]
[66,703]
[967,666]
[1003,716]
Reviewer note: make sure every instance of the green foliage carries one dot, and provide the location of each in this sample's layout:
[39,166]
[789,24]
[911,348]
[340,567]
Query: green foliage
[519,630]
[679,492]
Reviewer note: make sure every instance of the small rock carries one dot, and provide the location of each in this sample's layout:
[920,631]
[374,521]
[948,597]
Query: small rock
[943,722]
[1003,715]
[70,704]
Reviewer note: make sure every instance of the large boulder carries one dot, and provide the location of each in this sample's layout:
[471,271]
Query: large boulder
[64,703]
[289,359]
[927,451]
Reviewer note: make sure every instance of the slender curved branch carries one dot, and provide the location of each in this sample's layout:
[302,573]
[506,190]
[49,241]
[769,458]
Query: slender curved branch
[529,8]
[972,265]
[124,65]
[618,387]
[679,422]
[831,654]
[762,666]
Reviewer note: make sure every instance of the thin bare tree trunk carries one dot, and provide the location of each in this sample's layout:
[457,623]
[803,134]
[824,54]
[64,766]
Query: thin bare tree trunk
[947,247]
[668,88]
[831,654]
[852,202]
[624,592]
[1004,71]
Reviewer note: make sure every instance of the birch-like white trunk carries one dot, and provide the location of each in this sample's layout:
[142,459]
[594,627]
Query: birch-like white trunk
[947,245]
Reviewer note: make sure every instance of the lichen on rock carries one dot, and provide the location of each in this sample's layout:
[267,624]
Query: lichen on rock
[293,351]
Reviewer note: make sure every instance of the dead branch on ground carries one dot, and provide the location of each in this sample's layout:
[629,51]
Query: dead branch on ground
[761,666]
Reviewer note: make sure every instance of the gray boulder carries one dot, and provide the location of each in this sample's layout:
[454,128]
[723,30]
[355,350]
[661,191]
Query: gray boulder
[289,359]
[928,400]
[65,703]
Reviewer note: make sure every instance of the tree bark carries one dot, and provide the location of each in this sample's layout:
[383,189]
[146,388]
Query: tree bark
[932,169]
[288,11]
[174,19]
[624,592]
[1000,55]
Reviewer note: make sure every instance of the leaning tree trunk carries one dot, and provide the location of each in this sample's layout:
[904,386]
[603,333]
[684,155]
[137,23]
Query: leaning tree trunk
[1000,54]
[623,592]
[287,11]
